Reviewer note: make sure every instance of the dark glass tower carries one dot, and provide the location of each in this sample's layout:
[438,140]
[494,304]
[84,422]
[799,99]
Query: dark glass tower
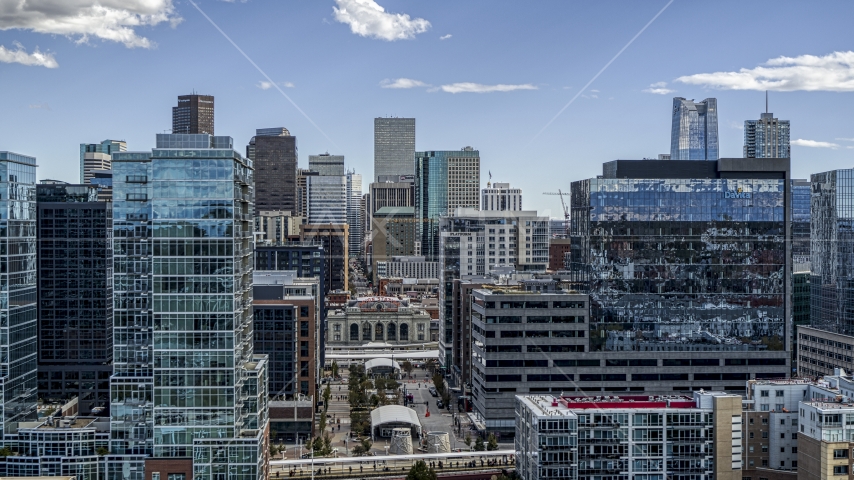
[194,114]
[75,296]
[686,262]
[801,197]
[274,154]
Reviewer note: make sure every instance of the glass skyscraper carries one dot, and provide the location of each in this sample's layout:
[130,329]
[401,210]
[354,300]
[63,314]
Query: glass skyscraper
[394,148]
[832,251]
[327,199]
[17,290]
[444,181]
[694,134]
[697,262]
[186,385]
[801,198]
[767,137]
[354,216]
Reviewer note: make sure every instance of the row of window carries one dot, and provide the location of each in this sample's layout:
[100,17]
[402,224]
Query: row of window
[819,351]
[822,341]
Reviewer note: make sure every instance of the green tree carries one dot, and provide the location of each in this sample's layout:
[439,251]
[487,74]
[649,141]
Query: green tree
[468,439]
[491,442]
[5,452]
[420,471]
[406,366]
[446,399]
[334,369]
[439,383]
[327,394]
[317,445]
[363,447]
[327,444]
[478,445]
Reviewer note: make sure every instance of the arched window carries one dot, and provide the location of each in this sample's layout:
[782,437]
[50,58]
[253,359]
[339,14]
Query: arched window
[404,332]
[392,332]
[354,332]
[366,332]
[378,332]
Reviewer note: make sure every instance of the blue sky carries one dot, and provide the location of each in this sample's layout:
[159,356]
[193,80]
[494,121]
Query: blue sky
[76,71]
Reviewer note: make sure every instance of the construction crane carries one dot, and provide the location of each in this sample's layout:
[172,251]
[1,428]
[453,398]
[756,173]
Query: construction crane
[565,210]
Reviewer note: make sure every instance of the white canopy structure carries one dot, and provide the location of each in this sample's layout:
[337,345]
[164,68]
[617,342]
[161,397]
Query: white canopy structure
[381,362]
[388,417]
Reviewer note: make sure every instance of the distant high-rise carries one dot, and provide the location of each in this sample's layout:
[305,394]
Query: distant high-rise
[444,181]
[767,137]
[75,316]
[96,156]
[694,134]
[327,199]
[18,291]
[354,217]
[274,154]
[394,147]
[500,197]
[326,164]
[194,114]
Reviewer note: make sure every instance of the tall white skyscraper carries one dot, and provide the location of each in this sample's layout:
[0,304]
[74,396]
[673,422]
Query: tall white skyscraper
[354,217]
[326,164]
[394,149]
[500,197]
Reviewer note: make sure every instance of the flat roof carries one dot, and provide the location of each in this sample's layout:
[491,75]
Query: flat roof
[830,405]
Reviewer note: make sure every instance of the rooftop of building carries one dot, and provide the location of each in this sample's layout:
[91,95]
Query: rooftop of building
[547,405]
[835,406]
[751,168]
[395,211]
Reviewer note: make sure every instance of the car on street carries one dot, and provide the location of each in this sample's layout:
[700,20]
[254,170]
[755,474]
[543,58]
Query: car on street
[433,391]
[440,404]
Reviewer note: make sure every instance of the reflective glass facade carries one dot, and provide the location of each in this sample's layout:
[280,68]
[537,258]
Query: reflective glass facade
[682,264]
[327,199]
[694,132]
[75,296]
[801,198]
[275,155]
[394,147]
[186,383]
[17,290]
[832,251]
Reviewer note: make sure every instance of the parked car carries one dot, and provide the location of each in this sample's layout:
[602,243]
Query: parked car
[433,392]
[440,404]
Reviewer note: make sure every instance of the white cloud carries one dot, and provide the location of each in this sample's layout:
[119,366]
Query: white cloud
[846,139]
[659,88]
[468,87]
[265,85]
[594,91]
[814,144]
[112,20]
[833,73]
[20,55]
[445,37]
[402,83]
[368,19]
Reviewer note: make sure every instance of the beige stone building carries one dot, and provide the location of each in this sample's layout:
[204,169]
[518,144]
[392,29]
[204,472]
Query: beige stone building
[377,319]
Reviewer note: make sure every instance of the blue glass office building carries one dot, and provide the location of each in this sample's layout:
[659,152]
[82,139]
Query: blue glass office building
[186,385]
[18,369]
[694,132]
[801,198]
[683,258]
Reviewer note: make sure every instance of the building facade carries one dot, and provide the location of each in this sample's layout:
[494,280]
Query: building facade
[326,164]
[187,392]
[499,196]
[18,337]
[444,181]
[327,199]
[394,232]
[75,293]
[590,438]
[682,259]
[274,155]
[767,137]
[801,200]
[408,267]
[394,147]
[378,319]
[524,340]
[334,240]
[355,217]
[694,132]
[832,252]
[193,115]
[96,156]
[477,243]
[559,249]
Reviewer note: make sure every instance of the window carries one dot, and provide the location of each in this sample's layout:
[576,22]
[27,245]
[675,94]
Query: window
[778,393]
[763,393]
[765,421]
[783,435]
[765,460]
[764,434]
[765,450]
[794,450]
[795,436]
[840,453]
[837,470]
[176,476]
[795,462]
[778,407]
[750,436]
[782,421]
[155,475]
[750,448]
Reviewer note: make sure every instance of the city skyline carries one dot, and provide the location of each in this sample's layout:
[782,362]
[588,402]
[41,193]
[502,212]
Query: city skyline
[454,115]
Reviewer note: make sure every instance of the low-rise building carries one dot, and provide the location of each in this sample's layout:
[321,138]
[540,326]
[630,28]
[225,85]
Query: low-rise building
[821,351]
[378,319]
[629,437]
